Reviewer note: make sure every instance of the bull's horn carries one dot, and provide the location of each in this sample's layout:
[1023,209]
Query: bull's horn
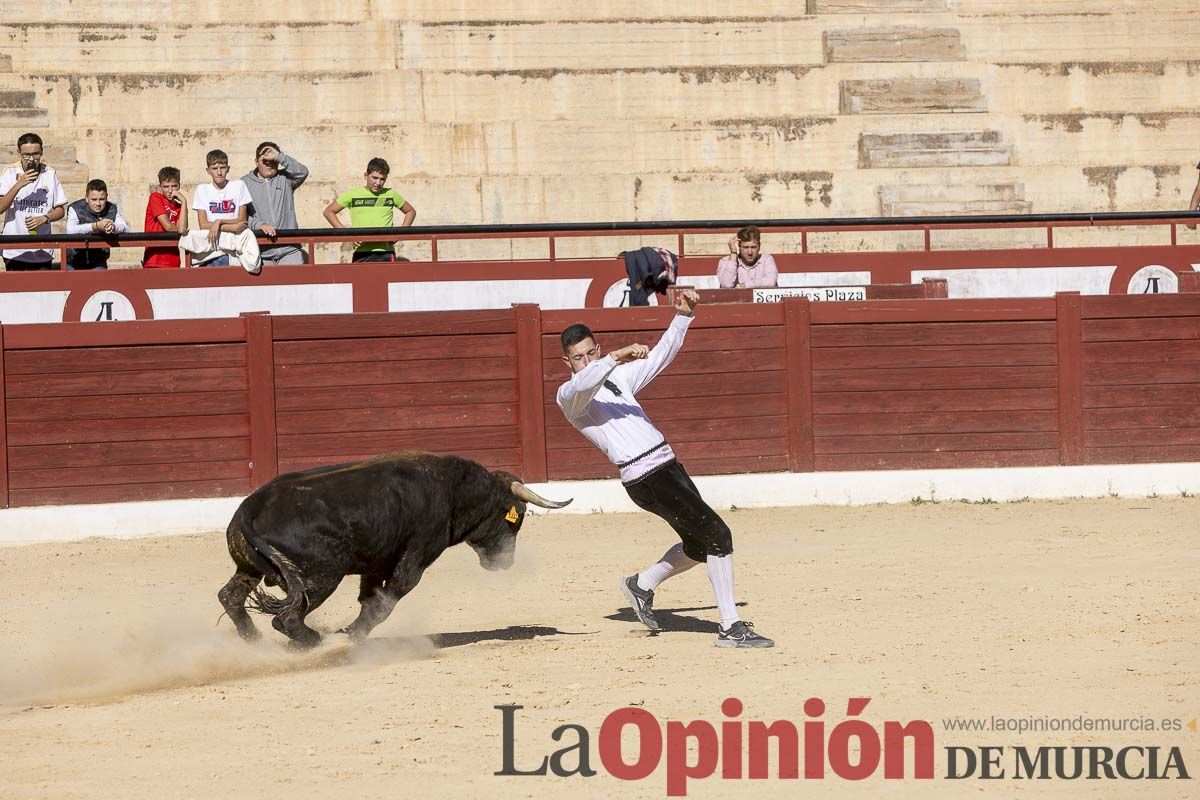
[530,496]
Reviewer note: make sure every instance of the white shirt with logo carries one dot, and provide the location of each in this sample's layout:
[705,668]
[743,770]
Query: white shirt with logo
[33,200]
[223,203]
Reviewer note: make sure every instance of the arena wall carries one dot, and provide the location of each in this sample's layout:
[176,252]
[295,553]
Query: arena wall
[204,408]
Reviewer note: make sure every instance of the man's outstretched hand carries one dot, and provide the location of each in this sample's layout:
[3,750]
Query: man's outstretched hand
[686,301]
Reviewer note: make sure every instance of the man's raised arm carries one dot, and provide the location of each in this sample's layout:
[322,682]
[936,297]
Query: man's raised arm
[663,353]
[575,394]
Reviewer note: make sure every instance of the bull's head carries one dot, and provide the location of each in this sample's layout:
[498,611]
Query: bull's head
[495,541]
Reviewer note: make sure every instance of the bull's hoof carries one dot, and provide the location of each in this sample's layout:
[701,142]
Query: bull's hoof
[303,645]
[355,635]
[304,639]
[250,634]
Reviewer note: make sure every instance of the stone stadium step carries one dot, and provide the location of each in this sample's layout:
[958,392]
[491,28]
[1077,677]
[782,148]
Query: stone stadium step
[543,40]
[912,96]
[993,192]
[936,208]
[168,49]
[1125,87]
[5,63]
[386,97]
[23,117]
[18,108]
[960,149]
[1057,7]
[875,6]
[669,146]
[893,44]
[180,12]
[1141,32]
[610,45]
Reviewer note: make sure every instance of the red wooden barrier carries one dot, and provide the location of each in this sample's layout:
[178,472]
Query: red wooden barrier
[529,392]
[4,501]
[200,408]
[797,320]
[260,380]
[1070,378]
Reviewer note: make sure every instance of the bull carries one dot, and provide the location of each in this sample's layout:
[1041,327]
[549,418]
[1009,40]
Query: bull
[385,519]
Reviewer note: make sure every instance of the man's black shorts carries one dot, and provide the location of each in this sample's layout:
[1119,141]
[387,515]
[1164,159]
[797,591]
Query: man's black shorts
[668,492]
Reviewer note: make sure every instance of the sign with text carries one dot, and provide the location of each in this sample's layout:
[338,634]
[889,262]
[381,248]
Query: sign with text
[814,293]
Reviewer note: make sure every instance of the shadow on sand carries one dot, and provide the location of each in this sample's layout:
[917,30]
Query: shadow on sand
[673,620]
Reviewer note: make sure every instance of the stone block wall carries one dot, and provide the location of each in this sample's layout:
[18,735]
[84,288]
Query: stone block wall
[538,112]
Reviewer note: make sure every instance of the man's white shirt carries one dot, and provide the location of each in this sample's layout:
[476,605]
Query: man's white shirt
[221,204]
[33,200]
[616,423]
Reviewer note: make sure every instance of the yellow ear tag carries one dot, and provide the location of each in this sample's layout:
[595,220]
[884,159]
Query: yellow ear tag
[511,516]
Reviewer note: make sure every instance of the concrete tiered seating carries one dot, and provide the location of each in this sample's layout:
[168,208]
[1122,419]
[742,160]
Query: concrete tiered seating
[522,112]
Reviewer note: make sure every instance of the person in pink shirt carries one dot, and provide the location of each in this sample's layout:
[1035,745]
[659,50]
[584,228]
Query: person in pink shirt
[747,267]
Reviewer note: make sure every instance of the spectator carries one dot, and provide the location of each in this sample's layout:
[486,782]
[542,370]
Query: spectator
[165,212]
[271,184]
[30,199]
[93,214]
[747,266]
[222,208]
[372,206]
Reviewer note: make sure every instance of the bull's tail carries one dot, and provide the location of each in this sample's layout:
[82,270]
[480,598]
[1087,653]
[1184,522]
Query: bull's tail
[265,603]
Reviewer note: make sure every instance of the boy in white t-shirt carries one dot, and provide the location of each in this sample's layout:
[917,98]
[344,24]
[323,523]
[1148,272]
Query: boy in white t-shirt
[30,199]
[221,213]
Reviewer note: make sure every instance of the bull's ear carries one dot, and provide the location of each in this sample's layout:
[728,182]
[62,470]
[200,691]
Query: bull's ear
[512,515]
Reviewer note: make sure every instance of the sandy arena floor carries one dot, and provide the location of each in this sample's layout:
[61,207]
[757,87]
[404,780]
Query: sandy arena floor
[115,680]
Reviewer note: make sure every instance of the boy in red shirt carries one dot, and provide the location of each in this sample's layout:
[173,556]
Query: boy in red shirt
[163,213]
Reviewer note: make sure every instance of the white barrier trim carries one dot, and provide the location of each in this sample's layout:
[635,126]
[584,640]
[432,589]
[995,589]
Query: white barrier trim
[776,489]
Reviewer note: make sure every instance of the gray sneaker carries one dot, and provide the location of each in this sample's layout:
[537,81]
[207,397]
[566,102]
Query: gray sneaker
[641,601]
[741,634]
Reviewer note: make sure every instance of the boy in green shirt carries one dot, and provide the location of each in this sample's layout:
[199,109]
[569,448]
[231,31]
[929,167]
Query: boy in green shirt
[372,206]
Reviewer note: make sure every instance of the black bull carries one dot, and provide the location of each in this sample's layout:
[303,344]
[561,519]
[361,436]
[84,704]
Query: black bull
[386,519]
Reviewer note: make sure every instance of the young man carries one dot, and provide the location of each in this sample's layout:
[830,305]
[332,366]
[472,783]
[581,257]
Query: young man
[222,210]
[30,199]
[747,266]
[272,184]
[600,400]
[93,214]
[165,212]
[372,206]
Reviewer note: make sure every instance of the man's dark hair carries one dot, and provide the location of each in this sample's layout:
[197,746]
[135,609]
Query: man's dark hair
[263,146]
[378,165]
[574,335]
[29,138]
[96,185]
[215,157]
[750,233]
[168,174]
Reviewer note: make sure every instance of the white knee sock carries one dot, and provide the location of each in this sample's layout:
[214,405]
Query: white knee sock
[673,562]
[720,573]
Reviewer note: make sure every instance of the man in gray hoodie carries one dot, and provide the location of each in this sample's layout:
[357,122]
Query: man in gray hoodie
[272,182]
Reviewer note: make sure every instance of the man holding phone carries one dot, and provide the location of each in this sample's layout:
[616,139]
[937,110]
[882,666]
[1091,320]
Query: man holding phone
[30,199]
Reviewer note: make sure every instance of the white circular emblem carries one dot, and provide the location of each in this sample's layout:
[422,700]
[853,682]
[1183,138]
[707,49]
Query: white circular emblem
[617,295]
[107,306]
[1154,279]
